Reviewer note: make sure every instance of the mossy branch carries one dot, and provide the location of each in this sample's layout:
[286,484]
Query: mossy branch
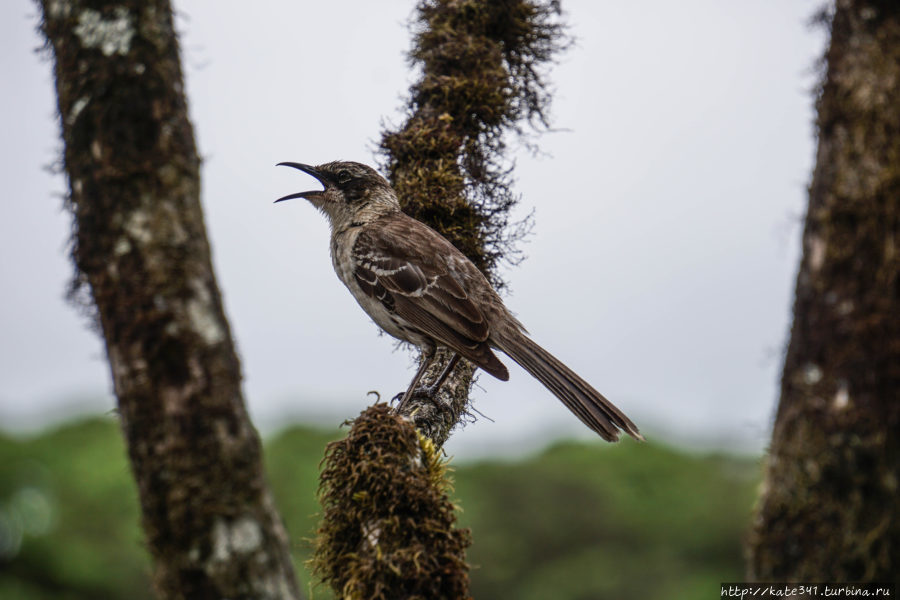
[483,69]
[388,527]
[483,75]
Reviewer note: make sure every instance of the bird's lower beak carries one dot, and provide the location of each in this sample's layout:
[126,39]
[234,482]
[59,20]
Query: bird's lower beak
[312,195]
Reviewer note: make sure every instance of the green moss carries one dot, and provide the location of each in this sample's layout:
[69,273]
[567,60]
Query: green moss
[483,69]
[388,526]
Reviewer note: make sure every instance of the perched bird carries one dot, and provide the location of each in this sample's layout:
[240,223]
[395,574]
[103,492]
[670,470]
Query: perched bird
[419,288]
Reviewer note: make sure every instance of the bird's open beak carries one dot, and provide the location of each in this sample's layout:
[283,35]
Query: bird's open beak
[312,195]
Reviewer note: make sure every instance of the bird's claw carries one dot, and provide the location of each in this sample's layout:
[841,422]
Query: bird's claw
[420,393]
[425,392]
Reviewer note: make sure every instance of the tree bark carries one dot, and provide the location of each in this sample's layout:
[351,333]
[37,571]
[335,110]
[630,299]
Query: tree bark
[140,250]
[829,506]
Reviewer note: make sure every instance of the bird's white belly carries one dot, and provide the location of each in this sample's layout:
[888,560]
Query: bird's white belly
[385,319]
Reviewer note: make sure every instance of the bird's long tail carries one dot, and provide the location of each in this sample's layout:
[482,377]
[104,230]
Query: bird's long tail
[588,404]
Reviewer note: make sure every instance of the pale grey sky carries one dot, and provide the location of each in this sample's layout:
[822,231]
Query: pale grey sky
[667,213]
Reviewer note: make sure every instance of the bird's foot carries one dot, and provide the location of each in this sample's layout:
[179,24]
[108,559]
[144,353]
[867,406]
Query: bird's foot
[420,393]
[427,393]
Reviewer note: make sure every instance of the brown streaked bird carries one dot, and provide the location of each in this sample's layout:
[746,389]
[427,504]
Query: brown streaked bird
[419,288]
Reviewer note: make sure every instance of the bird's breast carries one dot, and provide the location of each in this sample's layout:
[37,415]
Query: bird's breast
[342,255]
[345,267]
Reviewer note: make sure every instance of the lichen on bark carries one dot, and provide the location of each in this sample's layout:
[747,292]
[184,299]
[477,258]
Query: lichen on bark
[143,266]
[829,507]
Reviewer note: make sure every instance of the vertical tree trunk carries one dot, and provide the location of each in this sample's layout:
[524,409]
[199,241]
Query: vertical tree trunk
[140,249]
[829,509]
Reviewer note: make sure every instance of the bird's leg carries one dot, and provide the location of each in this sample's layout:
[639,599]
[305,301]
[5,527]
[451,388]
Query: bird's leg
[430,391]
[427,359]
[434,387]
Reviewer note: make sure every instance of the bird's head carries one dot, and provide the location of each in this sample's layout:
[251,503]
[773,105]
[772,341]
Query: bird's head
[353,192]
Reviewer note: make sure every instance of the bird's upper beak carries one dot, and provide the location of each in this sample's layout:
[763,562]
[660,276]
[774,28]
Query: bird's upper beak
[312,195]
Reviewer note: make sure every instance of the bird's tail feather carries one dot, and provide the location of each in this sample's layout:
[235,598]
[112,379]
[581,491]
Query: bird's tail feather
[588,404]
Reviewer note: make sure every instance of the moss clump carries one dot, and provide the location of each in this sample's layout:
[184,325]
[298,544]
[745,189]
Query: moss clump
[388,525]
[482,75]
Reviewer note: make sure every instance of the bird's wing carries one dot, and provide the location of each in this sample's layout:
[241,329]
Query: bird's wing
[410,268]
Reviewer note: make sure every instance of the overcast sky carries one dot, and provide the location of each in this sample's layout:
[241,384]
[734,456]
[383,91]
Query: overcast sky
[668,209]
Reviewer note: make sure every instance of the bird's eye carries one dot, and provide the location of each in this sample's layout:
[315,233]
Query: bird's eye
[343,176]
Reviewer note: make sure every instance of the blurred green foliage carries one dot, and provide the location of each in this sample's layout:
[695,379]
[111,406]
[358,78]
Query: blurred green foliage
[577,521]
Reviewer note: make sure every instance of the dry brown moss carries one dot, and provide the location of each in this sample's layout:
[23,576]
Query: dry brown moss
[482,76]
[388,525]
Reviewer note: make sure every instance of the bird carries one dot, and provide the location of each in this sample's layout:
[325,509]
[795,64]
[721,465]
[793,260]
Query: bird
[419,288]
